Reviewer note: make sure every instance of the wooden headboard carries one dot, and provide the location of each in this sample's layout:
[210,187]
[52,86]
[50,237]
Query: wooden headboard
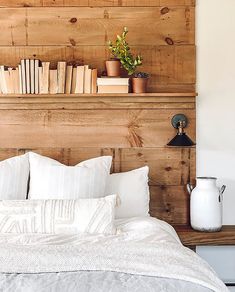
[133,129]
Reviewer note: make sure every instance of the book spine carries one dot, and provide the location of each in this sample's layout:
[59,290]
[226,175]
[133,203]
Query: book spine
[61,76]
[32,80]
[113,89]
[112,81]
[3,80]
[10,80]
[27,66]
[7,78]
[45,77]
[94,81]
[36,76]
[16,80]
[74,80]
[23,76]
[87,81]
[20,79]
[80,79]
[68,82]
[40,79]
[53,86]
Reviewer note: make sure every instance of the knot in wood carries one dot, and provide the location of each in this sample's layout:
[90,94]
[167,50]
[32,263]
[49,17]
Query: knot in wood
[73,20]
[72,42]
[169,41]
[106,14]
[165,10]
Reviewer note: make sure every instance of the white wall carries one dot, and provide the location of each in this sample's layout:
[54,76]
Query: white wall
[216,101]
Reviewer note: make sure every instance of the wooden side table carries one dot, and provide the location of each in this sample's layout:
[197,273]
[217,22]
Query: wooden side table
[192,238]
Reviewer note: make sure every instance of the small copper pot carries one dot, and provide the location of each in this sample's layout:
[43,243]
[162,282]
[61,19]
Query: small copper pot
[113,68]
[139,85]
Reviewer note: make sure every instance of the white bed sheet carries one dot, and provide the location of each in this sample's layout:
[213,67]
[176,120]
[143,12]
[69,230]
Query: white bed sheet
[144,248]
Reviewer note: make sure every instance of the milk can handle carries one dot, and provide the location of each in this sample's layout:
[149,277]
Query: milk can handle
[189,188]
[221,191]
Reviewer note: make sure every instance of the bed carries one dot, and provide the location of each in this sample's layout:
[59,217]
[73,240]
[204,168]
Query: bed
[145,255]
[66,237]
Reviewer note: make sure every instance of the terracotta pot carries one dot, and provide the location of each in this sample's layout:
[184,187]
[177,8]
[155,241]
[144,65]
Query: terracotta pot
[139,85]
[113,68]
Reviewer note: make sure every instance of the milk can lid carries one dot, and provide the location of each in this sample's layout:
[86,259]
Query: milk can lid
[206,177]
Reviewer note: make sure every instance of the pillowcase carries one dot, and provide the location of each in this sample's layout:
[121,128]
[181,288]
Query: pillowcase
[14,176]
[58,216]
[49,179]
[133,191]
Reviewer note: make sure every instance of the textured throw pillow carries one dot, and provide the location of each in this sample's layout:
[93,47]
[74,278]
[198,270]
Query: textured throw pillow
[14,175]
[49,179]
[92,216]
[133,191]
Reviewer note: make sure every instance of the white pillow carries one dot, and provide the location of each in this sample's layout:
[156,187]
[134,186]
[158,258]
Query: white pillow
[133,191]
[14,176]
[58,216]
[49,179]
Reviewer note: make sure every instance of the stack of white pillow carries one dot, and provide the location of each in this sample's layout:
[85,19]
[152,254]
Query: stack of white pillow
[68,199]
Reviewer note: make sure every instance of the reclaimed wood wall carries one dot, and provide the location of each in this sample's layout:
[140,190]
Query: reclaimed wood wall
[134,130]
[78,30]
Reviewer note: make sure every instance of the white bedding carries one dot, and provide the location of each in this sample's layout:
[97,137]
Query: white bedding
[144,247]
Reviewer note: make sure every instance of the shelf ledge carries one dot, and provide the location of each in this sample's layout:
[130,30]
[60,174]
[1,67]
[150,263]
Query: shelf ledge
[99,101]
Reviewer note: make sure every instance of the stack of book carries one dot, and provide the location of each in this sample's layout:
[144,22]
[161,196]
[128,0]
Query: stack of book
[113,85]
[35,77]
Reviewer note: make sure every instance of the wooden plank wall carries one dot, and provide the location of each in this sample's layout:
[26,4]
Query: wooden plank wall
[162,30]
[134,133]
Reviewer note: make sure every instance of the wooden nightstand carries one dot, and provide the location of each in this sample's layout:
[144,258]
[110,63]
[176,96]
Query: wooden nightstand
[192,238]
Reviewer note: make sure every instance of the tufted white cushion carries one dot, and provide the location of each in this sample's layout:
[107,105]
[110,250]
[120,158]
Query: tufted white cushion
[14,175]
[133,191]
[49,179]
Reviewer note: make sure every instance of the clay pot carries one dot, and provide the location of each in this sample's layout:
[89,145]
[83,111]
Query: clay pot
[113,68]
[139,85]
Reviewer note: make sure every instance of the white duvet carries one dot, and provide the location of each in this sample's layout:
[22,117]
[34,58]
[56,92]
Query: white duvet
[143,246]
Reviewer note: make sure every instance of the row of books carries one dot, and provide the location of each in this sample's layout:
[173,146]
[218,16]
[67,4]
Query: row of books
[35,77]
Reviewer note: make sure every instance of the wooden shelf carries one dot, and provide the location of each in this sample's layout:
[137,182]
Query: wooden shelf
[96,101]
[190,237]
[90,95]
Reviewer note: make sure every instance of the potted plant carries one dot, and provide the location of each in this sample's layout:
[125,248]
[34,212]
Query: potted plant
[121,51]
[113,66]
[140,82]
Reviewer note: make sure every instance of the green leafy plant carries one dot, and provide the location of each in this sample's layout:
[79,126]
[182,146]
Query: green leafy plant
[120,50]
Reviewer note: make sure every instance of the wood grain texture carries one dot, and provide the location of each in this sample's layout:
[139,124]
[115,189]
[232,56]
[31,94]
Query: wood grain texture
[133,129]
[191,237]
[99,101]
[95,26]
[88,128]
[95,3]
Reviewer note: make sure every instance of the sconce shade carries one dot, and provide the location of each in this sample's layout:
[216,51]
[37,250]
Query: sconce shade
[181,140]
[180,122]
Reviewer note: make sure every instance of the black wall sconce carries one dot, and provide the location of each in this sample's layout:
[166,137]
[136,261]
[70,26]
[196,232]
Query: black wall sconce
[180,122]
